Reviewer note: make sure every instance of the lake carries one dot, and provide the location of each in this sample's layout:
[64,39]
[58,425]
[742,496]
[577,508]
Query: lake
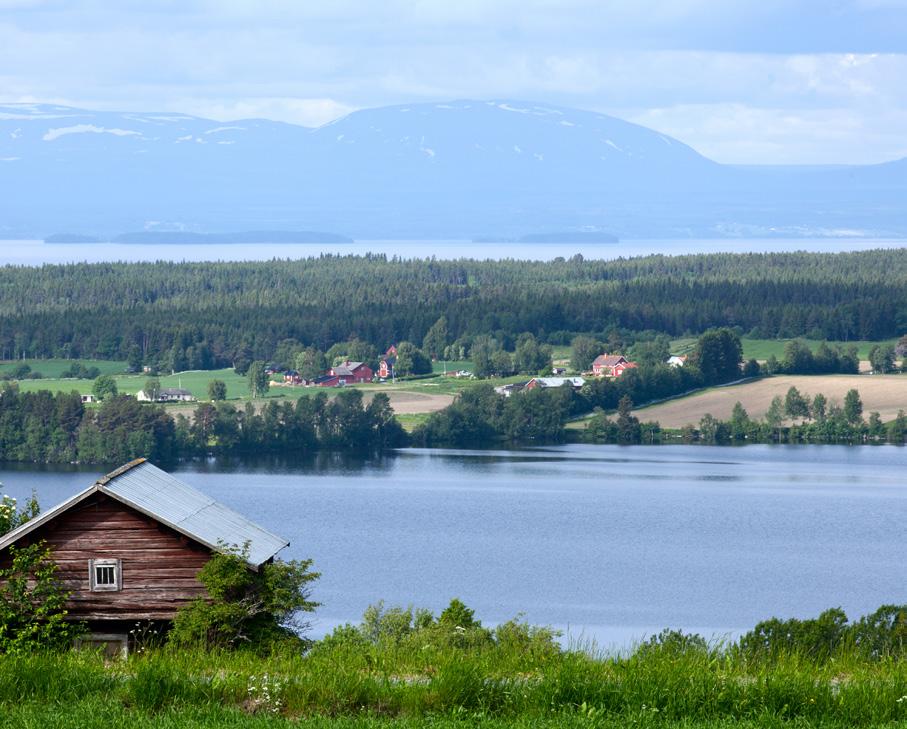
[36,253]
[608,543]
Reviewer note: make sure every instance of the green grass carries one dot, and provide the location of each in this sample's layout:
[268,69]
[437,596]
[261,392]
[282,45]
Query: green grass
[762,349]
[410,421]
[56,367]
[195,381]
[428,683]
[453,366]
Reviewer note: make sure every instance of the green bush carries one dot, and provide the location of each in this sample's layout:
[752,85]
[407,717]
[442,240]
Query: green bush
[246,607]
[882,633]
[814,638]
[33,603]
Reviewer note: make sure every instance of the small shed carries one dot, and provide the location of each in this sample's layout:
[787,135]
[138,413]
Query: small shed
[130,546]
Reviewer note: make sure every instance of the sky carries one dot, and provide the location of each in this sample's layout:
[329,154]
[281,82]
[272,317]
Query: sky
[741,81]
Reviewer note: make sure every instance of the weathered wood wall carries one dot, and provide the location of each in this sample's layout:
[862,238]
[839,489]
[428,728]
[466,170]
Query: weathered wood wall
[158,565]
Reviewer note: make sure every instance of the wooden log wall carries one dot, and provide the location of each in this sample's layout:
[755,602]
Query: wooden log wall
[158,564]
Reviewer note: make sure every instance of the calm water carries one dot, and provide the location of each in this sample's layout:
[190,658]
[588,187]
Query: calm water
[35,253]
[610,543]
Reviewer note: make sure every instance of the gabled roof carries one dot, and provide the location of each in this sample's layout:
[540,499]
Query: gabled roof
[608,360]
[347,368]
[558,381]
[155,493]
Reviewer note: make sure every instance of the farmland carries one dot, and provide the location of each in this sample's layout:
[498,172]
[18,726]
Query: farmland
[883,393]
[762,349]
[407,397]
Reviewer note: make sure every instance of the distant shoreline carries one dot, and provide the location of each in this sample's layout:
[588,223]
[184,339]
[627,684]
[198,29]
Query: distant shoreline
[564,237]
[185,238]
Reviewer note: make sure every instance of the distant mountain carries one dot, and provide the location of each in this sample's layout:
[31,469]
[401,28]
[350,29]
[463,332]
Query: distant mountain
[460,170]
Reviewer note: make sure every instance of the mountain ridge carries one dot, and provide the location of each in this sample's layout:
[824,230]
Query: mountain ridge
[462,168]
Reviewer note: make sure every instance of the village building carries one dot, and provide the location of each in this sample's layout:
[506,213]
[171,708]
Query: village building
[544,382]
[604,365]
[348,373]
[387,362]
[292,377]
[167,394]
[130,546]
[510,388]
[677,360]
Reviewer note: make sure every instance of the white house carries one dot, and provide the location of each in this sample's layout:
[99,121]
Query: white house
[575,382]
[167,394]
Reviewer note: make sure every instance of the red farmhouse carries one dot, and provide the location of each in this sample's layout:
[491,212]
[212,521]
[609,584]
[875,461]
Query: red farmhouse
[347,373]
[611,365]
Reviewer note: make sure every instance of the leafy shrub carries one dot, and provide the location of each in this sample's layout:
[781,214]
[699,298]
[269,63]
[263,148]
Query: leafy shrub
[245,607]
[33,603]
[882,633]
[815,638]
[673,642]
[10,518]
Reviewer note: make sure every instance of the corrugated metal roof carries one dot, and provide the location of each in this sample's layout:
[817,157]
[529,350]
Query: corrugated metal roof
[177,504]
[148,489]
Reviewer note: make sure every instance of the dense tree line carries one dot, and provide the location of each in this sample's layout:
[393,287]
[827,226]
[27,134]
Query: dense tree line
[43,427]
[799,359]
[204,315]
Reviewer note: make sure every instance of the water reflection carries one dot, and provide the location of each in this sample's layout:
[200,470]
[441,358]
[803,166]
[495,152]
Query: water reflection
[319,463]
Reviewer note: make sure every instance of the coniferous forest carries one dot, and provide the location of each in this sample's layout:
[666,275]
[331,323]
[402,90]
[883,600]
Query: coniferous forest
[208,315]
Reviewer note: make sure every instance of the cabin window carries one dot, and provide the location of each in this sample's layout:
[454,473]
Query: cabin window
[104,575]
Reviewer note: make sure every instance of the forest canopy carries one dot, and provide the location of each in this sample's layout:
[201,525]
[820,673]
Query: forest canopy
[206,315]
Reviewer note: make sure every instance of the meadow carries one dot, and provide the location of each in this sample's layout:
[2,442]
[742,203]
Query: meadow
[523,681]
[762,349]
[55,367]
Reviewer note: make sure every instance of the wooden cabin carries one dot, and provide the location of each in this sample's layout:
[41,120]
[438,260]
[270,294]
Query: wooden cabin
[130,546]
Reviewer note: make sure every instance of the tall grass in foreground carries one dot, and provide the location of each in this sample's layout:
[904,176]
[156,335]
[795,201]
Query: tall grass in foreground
[436,684]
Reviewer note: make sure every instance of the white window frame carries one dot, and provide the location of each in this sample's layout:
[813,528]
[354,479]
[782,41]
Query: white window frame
[117,584]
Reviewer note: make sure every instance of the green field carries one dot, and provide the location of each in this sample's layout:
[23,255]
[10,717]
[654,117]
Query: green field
[762,349]
[55,367]
[410,421]
[195,381]
[452,366]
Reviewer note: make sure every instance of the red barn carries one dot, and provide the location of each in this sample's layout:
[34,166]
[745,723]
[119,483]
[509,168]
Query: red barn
[129,548]
[348,373]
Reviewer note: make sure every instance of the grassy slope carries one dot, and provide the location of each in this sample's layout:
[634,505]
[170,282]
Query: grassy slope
[762,349]
[433,685]
[55,367]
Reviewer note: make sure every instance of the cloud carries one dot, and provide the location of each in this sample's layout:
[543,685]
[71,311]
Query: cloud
[779,61]
[305,112]
[735,133]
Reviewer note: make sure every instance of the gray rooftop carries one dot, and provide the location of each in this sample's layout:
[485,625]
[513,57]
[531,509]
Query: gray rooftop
[347,368]
[148,489]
